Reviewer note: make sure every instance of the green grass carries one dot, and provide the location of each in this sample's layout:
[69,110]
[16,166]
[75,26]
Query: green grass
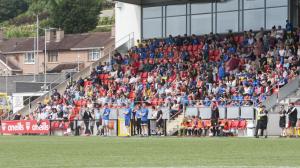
[77,152]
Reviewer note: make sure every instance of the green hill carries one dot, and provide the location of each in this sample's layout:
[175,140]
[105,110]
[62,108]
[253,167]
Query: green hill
[18,17]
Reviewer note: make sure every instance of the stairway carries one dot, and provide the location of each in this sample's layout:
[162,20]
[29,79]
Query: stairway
[288,90]
[173,124]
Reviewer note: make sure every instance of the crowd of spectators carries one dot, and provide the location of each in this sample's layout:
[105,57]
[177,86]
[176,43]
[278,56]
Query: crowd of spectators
[230,69]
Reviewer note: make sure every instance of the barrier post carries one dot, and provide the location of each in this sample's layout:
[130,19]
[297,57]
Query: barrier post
[131,127]
[50,127]
[76,128]
[149,131]
[117,127]
[165,127]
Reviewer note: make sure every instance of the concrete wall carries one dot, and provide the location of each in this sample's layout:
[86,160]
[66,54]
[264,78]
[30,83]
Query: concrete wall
[22,87]
[128,20]
[12,80]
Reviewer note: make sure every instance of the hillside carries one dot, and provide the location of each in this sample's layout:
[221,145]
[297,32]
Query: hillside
[18,17]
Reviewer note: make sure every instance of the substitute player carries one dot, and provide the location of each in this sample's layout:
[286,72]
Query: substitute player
[127,118]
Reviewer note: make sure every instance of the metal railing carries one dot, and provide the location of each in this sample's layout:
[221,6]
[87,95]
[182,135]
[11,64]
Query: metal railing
[63,77]
[129,39]
[107,54]
[282,93]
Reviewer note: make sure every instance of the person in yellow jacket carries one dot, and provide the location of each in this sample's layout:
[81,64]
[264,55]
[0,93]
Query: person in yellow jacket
[261,120]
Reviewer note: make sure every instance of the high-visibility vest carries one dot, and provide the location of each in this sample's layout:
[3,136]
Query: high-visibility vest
[259,113]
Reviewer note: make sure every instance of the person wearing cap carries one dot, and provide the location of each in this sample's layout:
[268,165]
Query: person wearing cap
[292,113]
[282,121]
[261,120]
[127,118]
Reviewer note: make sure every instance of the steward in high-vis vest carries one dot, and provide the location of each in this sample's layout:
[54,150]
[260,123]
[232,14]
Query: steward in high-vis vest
[261,120]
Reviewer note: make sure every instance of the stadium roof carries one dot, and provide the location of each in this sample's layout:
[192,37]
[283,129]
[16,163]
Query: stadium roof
[162,2]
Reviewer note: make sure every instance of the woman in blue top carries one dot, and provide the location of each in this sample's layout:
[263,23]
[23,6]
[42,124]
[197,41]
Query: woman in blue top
[144,119]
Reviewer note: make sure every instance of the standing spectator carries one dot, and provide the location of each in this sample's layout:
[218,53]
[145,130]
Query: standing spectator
[215,115]
[86,119]
[106,113]
[159,122]
[139,120]
[144,119]
[127,118]
[261,121]
[134,120]
[292,112]
[92,122]
[282,121]
[17,116]
[98,120]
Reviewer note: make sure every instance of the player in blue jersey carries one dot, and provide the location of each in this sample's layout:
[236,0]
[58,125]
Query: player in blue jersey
[106,113]
[144,119]
[127,118]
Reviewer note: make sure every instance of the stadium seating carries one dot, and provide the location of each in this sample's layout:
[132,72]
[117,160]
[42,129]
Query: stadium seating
[231,70]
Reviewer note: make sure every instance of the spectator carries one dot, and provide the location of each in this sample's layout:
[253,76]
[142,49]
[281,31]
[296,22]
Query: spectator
[159,121]
[282,121]
[139,120]
[215,119]
[106,113]
[261,121]
[86,119]
[144,120]
[292,112]
[127,118]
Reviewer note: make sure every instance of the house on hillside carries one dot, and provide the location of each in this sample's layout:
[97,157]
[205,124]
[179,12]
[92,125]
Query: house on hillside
[63,51]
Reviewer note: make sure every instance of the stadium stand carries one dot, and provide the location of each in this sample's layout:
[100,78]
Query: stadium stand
[175,72]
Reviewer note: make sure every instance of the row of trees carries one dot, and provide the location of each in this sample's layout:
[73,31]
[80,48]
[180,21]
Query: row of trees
[74,16]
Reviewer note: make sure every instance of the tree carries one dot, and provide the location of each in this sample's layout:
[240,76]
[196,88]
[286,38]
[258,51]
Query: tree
[76,16]
[11,8]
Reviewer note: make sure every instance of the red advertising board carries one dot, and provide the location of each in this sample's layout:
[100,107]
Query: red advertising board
[25,127]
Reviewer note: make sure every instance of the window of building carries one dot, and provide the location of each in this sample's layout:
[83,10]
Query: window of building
[176,10]
[254,19]
[176,25]
[201,24]
[229,5]
[152,12]
[252,4]
[94,55]
[29,58]
[272,3]
[276,17]
[218,16]
[204,7]
[152,28]
[227,21]
[52,56]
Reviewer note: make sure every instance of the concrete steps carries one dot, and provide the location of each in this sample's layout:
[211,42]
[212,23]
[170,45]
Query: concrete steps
[173,125]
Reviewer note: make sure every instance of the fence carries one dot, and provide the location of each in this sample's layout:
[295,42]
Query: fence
[116,125]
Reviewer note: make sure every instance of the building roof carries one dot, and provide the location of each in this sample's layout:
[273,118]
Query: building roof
[86,40]
[8,63]
[94,41]
[8,45]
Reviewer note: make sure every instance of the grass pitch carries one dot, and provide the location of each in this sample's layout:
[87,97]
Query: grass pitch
[78,152]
